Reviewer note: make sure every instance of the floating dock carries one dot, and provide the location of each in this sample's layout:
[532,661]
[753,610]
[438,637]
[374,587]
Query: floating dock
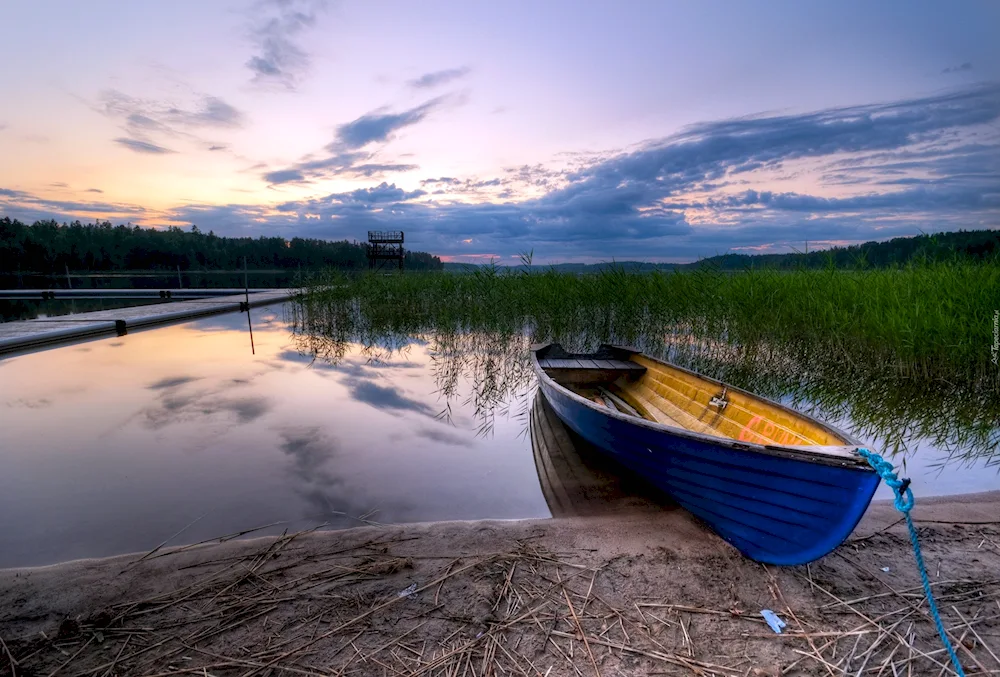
[67,294]
[51,331]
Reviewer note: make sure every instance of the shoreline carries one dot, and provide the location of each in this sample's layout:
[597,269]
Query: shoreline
[972,508]
[680,597]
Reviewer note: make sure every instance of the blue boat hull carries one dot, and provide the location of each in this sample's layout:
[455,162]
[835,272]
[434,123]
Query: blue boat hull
[772,508]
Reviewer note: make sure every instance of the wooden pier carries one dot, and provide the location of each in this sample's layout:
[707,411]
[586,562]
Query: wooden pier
[152,293]
[51,331]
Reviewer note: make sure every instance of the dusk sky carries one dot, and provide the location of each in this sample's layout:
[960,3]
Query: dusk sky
[655,131]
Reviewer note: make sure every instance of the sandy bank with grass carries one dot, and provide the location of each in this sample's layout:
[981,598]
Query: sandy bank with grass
[652,592]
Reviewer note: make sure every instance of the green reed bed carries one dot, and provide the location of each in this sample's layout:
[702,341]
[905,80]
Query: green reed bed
[930,321]
[903,354]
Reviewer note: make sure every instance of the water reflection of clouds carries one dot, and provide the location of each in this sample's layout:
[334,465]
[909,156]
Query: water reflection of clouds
[385,397]
[171,382]
[264,318]
[309,450]
[181,417]
[359,377]
[380,364]
[175,404]
[324,492]
[348,366]
[442,434]
[38,403]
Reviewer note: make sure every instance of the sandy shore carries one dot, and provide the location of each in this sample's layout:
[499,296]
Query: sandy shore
[651,592]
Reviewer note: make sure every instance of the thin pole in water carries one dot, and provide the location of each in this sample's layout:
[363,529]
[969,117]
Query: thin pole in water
[180,285]
[246,291]
[69,283]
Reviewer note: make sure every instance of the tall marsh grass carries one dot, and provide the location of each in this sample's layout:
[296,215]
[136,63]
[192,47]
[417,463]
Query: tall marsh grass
[929,321]
[894,355]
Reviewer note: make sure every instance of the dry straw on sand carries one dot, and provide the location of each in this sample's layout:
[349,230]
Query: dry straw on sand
[560,597]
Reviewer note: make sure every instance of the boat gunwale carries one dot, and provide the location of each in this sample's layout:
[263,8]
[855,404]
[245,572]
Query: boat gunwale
[792,452]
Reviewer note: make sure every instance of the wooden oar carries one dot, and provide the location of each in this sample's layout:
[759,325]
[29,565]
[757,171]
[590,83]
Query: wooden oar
[621,404]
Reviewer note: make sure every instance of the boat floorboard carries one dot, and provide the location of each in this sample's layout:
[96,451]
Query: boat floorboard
[678,417]
[652,410]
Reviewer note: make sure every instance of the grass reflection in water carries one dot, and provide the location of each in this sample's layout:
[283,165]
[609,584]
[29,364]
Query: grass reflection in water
[897,357]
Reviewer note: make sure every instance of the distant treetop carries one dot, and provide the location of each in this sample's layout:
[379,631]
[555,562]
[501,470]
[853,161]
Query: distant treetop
[983,245]
[49,247]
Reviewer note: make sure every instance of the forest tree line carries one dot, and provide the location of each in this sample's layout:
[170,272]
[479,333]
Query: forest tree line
[50,247]
[977,245]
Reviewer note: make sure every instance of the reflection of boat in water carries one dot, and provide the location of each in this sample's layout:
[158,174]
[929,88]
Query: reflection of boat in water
[577,480]
[782,487]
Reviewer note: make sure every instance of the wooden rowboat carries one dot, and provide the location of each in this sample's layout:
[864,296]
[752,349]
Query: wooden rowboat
[780,486]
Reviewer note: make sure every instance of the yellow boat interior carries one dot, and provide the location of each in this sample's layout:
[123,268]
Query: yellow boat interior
[635,385]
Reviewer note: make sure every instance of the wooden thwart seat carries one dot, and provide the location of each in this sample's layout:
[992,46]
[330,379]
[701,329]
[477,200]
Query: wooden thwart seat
[617,365]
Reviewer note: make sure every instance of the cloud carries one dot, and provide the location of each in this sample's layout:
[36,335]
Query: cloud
[370,169]
[213,112]
[144,120]
[284,176]
[924,198]
[278,59]
[535,175]
[148,116]
[93,190]
[229,219]
[873,172]
[438,78]
[967,66]
[143,146]
[356,202]
[344,156]
[716,150]
[644,202]
[469,185]
[28,207]
[378,126]
[384,192]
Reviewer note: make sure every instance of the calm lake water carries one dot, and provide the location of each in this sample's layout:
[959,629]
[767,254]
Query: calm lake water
[115,445]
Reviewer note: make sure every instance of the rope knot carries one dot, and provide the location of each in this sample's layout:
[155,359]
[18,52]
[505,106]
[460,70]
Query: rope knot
[900,488]
[904,499]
